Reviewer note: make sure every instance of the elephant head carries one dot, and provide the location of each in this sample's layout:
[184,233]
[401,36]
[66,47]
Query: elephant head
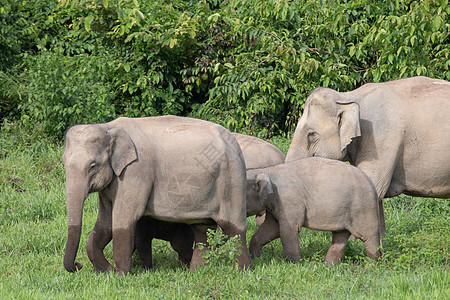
[258,191]
[93,156]
[329,123]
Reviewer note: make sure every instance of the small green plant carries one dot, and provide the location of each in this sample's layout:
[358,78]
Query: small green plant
[221,254]
[221,250]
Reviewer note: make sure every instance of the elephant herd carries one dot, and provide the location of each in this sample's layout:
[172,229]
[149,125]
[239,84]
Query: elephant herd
[172,178]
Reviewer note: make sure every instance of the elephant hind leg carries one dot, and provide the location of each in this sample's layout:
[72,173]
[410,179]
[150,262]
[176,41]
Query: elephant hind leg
[182,243]
[336,251]
[230,230]
[372,245]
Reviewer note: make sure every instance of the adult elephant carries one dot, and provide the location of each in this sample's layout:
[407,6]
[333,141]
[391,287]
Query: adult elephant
[397,132]
[168,168]
[257,154]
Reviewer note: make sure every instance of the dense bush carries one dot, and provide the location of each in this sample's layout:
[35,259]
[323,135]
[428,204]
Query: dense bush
[246,64]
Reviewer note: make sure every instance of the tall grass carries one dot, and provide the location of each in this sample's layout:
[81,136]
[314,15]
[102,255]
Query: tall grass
[33,229]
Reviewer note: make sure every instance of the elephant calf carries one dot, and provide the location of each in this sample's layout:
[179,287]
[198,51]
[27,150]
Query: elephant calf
[317,193]
[180,236]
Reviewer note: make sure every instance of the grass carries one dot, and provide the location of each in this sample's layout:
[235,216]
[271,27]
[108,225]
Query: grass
[33,227]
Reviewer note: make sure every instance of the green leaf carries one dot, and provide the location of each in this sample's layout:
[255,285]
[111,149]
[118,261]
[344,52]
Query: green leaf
[352,51]
[87,22]
[391,58]
[172,43]
[214,17]
[437,22]
[105,3]
[228,65]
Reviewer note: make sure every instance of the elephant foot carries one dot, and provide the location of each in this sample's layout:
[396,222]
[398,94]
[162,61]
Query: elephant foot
[254,249]
[104,268]
[76,267]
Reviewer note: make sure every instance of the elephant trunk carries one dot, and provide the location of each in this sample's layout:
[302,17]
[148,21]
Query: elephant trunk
[75,200]
[297,150]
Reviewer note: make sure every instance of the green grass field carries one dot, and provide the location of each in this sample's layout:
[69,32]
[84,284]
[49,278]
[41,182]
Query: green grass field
[33,229]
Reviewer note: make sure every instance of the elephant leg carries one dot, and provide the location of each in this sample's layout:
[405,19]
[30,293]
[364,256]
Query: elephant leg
[129,207]
[182,242]
[143,243]
[198,259]
[336,251]
[100,236]
[372,244]
[290,241]
[90,247]
[267,232]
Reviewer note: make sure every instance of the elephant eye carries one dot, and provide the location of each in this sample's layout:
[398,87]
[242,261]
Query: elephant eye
[92,166]
[312,137]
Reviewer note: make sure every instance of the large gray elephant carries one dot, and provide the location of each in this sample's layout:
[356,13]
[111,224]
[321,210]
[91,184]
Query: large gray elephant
[169,168]
[257,154]
[318,193]
[397,132]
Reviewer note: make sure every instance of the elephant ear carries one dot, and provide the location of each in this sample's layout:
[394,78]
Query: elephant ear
[264,187]
[349,127]
[123,150]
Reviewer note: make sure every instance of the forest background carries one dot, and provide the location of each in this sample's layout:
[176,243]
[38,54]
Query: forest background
[248,65]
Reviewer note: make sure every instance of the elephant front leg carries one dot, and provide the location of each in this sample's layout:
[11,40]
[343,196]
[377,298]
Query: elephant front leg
[290,242]
[102,263]
[128,208]
[100,236]
[123,247]
[267,232]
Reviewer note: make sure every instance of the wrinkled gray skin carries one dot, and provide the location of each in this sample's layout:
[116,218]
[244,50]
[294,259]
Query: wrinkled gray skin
[397,132]
[170,168]
[316,193]
[257,154]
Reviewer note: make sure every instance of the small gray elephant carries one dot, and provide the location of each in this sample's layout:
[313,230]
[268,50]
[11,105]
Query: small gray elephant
[169,168]
[180,236]
[317,193]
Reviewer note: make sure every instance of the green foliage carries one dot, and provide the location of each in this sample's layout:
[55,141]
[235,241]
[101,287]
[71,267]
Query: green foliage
[220,250]
[66,90]
[246,64]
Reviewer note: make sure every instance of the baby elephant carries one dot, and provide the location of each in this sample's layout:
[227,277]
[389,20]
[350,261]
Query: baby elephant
[316,193]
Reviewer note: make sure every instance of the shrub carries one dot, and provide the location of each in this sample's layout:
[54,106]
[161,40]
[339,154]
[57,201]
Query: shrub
[64,90]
